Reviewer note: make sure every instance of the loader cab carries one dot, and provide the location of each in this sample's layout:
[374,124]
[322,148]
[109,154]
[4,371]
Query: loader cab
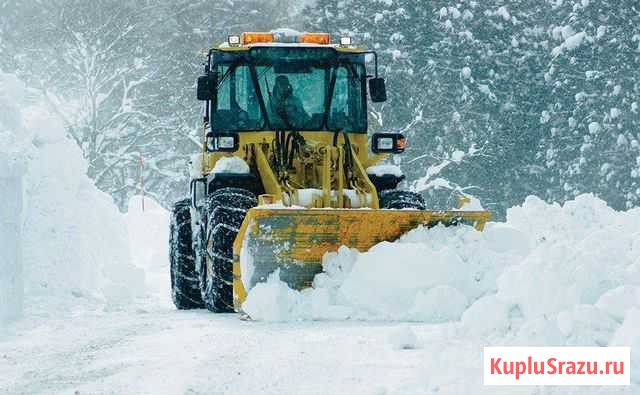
[293,107]
[303,86]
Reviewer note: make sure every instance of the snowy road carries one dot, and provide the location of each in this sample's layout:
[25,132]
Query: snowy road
[168,351]
[77,344]
[85,345]
[165,351]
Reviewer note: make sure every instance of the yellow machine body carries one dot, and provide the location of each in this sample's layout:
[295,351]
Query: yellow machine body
[313,206]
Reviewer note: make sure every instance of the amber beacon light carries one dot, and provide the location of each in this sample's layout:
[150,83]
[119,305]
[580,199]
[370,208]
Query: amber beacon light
[316,38]
[254,38]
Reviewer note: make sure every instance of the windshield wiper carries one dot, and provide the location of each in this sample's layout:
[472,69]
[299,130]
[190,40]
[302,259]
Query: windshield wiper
[354,74]
[266,83]
[327,105]
[256,86]
[264,72]
[227,73]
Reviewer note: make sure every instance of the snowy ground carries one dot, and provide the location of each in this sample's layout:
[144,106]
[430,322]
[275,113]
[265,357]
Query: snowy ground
[150,348]
[163,351]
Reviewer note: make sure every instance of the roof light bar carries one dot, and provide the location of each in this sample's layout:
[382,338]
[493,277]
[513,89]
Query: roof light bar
[292,37]
[285,36]
[256,37]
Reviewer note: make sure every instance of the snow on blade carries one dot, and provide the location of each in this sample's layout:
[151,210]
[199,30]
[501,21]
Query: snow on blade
[381,170]
[389,283]
[231,164]
[545,276]
[473,204]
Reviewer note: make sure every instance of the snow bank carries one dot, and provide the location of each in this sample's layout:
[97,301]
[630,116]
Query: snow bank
[149,241]
[404,338]
[11,288]
[12,169]
[549,275]
[74,242]
[456,266]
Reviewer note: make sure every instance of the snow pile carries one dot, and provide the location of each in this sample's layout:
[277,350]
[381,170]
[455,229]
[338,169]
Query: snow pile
[149,240]
[195,166]
[11,288]
[456,266]
[74,241]
[404,338]
[471,203]
[550,275]
[231,164]
[12,169]
[382,170]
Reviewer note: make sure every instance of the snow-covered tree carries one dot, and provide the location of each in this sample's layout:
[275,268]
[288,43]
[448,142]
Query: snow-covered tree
[176,32]
[122,75]
[465,84]
[591,117]
[499,99]
[87,60]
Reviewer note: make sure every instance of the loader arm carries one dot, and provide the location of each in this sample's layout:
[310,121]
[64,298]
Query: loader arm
[342,184]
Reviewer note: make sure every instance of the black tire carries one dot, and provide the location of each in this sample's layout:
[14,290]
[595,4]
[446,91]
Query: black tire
[184,282]
[225,211]
[395,199]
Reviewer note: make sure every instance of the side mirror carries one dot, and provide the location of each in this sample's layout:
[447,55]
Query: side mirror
[388,143]
[377,90]
[222,142]
[206,87]
[197,193]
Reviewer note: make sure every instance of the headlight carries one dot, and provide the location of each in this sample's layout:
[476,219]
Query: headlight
[225,142]
[385,144]
[382,143]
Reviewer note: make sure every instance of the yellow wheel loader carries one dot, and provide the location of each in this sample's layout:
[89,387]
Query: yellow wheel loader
[286,173]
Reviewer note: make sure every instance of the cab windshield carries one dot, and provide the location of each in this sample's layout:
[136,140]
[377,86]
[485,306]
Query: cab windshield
[290,89]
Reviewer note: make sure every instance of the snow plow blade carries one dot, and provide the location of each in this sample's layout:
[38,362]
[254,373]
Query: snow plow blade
[294,240]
